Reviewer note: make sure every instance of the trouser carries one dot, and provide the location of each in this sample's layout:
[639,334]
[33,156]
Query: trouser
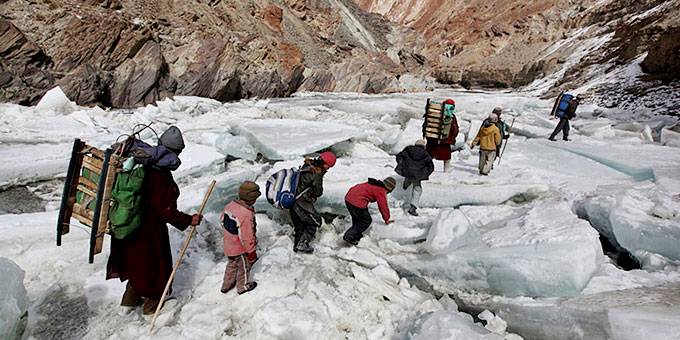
[237,273]
[562,125]
[131,298]
[486,158]
[413,194]
[361,220]
[305,223]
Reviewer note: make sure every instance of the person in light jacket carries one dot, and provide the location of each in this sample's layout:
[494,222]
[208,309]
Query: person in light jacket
[488,138]
[239,239]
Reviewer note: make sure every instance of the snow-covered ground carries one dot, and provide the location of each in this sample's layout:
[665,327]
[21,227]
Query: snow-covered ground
[522,243]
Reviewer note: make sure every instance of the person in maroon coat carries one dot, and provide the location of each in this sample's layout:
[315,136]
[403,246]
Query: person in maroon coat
[441,149]
[357,200]
[143,258]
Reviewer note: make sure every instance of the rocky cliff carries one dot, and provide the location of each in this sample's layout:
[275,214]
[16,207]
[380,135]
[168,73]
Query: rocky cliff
[552,46]
[125,53]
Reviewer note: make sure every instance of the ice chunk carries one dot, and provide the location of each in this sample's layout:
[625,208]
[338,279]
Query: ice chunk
[449,325]
[56,101]
[411,133]
[13,300]
[287,138]
[546,251]
[493,323]
[647,220]
[626,314]
[671,135]
[230,145]
[450,231]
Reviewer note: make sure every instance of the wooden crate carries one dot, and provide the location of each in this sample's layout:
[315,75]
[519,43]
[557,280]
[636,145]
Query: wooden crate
[96,188]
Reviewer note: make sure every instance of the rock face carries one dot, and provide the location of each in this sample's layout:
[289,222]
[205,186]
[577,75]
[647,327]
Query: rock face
[512,43]
[125,53]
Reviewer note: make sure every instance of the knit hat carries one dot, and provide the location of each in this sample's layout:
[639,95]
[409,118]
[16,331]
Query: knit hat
[421,142]
[172,139]
[450,102]
[493,118]
[497,110]
[328,158]
[389,183]
[249,191]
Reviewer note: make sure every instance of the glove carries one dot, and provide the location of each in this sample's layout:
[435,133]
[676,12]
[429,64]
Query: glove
[506,136]
[252,257]
[196,219]
[389,222]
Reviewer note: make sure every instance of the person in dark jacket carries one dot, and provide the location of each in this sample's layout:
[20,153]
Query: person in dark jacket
[143,258]
[415,164]
[563,125]
[441,149]
[357,200]
[306,220]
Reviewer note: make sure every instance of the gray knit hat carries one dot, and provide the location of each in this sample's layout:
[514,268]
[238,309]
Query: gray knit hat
[421,142]
[389,183]
[172,139]
[493,118]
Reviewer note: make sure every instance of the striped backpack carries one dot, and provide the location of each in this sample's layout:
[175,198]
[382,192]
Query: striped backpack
[281,187]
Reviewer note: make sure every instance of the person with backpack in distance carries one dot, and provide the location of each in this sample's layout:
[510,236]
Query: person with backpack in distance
[563,125]
[502,128]
[488,138]
[239,239]
[441,149]
[357,199]
[415,164]
[306,220]
[143,257]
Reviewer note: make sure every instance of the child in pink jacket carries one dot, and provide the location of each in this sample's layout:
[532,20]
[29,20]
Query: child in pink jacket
[239,241]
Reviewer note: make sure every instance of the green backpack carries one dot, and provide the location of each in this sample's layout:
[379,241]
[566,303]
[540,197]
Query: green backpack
[125,211]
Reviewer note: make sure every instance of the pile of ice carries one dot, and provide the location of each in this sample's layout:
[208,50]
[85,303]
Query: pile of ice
[641,220]
[538,251]
[448,323]
[13,300]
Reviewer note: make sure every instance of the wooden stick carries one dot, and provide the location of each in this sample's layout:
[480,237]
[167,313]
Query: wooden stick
[186,244]
[506,142]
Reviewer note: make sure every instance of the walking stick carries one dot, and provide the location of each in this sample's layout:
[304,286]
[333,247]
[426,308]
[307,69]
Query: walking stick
[186,244]
[506,143]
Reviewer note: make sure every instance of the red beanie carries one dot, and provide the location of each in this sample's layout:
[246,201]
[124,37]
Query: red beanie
[328,157]
[449,101]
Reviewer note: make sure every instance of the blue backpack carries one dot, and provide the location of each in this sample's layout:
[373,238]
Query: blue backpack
[281,187]
[561,104]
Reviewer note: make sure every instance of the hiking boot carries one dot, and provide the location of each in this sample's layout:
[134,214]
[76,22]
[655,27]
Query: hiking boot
[249,286]
[566,139]
[169,303]
[551,139]
[412,210]
[125,310]
[349,240]
[303,247]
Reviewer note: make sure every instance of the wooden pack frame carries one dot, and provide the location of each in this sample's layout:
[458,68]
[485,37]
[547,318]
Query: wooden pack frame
[434,120]
[103,164]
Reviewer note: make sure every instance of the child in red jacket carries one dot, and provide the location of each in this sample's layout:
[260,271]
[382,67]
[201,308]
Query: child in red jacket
[357,200]
[239,240]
